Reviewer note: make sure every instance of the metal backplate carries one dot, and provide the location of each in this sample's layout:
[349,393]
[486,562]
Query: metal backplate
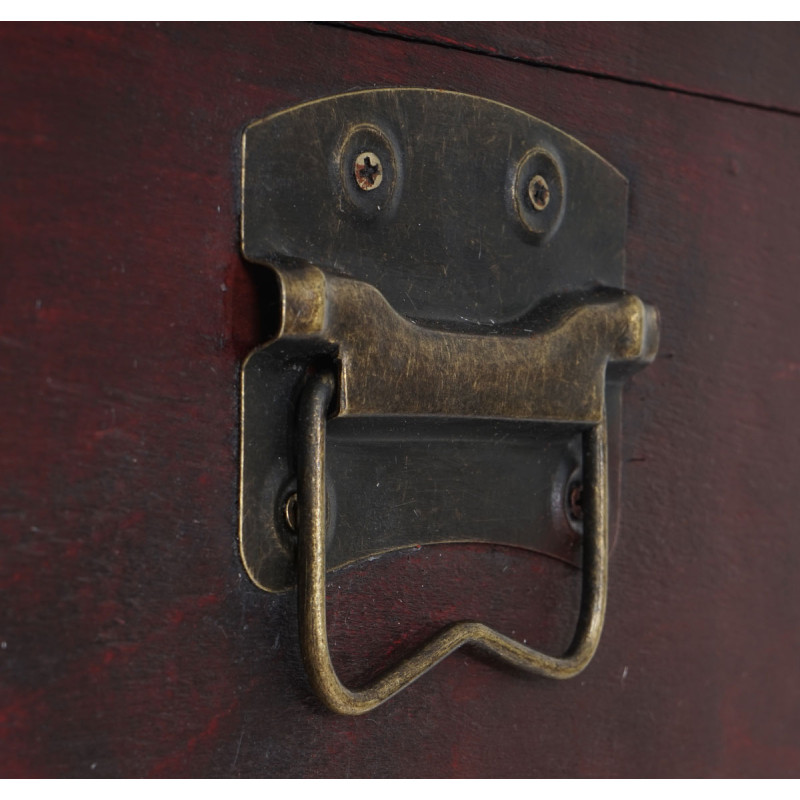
[451,237]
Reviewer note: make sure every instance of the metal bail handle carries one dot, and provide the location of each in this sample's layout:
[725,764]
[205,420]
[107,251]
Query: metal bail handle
[446,275]
[312,422]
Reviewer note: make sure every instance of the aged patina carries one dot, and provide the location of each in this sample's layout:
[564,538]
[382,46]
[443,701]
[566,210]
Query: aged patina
[440,288]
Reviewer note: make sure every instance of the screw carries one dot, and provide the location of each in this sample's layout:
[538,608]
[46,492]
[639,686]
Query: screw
[574,507]
[368,171]
[538,193]
[290,511]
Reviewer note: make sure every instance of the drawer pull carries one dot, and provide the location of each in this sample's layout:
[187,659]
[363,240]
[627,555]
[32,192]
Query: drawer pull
[440,274]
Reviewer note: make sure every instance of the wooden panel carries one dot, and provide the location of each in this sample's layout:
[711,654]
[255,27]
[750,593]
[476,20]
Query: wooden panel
[131,642]
[752,63]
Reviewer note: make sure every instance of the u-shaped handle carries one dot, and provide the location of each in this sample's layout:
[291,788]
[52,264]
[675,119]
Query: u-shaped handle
[312,423]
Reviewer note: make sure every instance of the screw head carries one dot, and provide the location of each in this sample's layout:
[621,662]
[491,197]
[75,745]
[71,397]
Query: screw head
[368,171]
[290,512]
[538,193]
[574,505]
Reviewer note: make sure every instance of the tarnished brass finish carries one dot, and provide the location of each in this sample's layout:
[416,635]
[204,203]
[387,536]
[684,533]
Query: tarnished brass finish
[460,236]
[391,366]
[446,301]
[451,232]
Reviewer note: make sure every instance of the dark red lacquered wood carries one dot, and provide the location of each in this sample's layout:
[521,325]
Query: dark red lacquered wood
[133,643]
[744,62]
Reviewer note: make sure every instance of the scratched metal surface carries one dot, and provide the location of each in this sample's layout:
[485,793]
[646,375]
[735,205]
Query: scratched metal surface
[447,237]
[439,237]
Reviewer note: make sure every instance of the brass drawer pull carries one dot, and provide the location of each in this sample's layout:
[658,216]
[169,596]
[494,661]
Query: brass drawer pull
[431,288]
[314,408]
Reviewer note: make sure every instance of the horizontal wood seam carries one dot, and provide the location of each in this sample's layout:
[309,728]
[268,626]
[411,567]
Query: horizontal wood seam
[468,48]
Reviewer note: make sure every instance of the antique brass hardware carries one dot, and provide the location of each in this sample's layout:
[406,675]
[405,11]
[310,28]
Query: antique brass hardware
[386,319]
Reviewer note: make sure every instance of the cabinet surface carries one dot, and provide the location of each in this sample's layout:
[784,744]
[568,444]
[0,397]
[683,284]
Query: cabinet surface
[132,642]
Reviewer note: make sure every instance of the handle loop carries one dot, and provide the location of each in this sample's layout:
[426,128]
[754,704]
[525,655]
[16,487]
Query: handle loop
[312,423]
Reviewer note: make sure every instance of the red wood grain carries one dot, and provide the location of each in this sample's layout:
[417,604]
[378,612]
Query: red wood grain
[132,643]
[751,63]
